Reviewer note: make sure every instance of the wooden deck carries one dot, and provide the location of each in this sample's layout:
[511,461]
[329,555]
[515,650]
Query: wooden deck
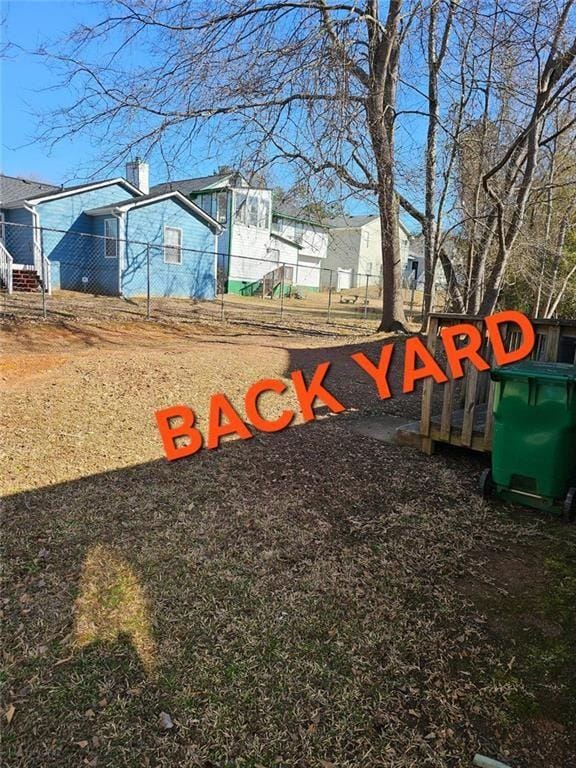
[465,417]
[410,434]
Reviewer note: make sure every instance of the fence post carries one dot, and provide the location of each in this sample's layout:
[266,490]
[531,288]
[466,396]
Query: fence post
[412,291]
[43,274]
[148,282]
[283,268]
[222,285]
[366,298]
[329,296]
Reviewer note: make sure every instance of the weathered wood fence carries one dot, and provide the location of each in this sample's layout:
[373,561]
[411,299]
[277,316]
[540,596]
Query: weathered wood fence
[460,412]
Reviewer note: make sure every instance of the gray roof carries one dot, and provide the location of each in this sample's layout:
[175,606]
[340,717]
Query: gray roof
[150,198]
[34,195]
[355,222]
[15,188]
[123,203]
[344,222]
[291,211]
[188,186]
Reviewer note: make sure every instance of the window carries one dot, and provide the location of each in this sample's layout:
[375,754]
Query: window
[111,238]
[222,207]
[264,212]
[240,199]
[205,202]
[298,232]
[252,209]
[172,245]
[366,238]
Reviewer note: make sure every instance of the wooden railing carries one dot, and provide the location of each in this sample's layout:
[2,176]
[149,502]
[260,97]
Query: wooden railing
[460,412]
[281,277]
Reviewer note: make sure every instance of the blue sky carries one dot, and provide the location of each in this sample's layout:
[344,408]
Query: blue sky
[25,79]
[27,87]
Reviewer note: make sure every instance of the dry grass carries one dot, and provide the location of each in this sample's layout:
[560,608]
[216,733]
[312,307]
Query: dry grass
[316,312]
[310,598]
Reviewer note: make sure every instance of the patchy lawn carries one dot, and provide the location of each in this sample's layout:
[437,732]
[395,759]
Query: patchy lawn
[309,598]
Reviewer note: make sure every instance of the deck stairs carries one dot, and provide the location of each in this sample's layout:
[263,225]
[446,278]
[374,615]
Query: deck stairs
[21,278]
[269,285]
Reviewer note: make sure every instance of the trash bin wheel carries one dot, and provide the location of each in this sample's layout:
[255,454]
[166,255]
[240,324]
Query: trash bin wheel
[569,508]
[486,483]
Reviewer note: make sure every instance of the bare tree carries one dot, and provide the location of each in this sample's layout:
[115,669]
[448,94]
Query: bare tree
[309,82]
[508,70]
[316,84]
[436,51]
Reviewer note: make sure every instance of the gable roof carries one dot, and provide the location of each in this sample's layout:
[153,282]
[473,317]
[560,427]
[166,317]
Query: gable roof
[351,222]
[138,202]
[291,211]
[58,192]
[16,188]
[198,184]
[356,222]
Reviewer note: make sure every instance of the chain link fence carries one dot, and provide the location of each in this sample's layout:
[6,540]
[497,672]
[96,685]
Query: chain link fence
[98,277]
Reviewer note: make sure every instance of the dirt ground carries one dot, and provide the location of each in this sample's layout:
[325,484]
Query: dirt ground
[307,598]
[338,313]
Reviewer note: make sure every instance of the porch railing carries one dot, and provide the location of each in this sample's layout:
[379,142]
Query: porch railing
[460,412]
[6,263]
[276,279]
[46,275]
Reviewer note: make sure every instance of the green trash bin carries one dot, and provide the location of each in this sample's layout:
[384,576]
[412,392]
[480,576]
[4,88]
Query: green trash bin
[534,436]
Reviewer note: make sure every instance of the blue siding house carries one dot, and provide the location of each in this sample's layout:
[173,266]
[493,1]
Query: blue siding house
[107,237]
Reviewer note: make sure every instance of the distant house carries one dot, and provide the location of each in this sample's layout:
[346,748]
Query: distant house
[256,238]
[310,236]
[414,270]
[110,237]
[355,253]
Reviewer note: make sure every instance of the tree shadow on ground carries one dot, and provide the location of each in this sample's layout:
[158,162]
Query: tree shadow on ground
[286,599]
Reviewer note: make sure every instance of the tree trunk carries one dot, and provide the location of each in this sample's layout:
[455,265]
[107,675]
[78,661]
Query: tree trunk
[393,317]
[429,229]
[561,240]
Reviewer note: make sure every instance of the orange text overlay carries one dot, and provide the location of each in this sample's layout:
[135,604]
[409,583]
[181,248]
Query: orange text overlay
[461,342]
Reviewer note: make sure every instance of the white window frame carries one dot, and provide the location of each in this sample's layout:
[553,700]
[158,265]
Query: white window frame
[179,246]
[221,213]
[299,229]
[2,228]
[111,239]
[252,209]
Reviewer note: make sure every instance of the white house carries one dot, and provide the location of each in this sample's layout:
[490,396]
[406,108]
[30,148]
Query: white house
[355,255]
[257,240]
[292,225]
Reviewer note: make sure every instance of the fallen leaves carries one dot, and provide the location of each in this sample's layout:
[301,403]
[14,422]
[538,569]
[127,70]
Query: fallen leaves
[300,591]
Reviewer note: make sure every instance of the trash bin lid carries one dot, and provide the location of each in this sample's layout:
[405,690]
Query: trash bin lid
[532,369]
